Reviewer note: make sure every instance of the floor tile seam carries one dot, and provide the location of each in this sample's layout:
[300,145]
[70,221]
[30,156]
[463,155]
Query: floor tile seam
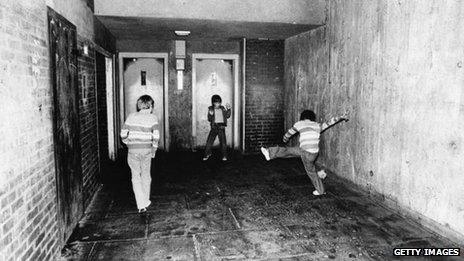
[89,255]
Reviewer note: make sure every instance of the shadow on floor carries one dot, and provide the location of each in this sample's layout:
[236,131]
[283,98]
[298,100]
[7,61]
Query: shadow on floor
[243,209]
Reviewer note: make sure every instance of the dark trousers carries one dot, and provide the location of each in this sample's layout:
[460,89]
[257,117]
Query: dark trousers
[308,162]
[216,130]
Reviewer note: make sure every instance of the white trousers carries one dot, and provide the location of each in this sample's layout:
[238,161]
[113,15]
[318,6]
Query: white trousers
[141,177]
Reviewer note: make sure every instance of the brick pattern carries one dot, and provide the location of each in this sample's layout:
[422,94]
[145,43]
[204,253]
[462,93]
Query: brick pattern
[28,220]
[264,94]
[28,215]
[89,129]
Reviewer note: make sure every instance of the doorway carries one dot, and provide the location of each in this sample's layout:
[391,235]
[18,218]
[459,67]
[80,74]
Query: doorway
[214,74]
[145,74]
[105,104]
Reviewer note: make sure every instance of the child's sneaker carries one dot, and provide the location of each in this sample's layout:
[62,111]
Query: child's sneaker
[224,158]
[205,158]
[316,193]
[321,173]
[142,210]
[265,153]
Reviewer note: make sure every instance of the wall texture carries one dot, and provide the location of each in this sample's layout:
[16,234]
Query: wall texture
[283,11]
[88,120]
[28,215]
[180,102]
[398,66]
[27,174]
[264,94]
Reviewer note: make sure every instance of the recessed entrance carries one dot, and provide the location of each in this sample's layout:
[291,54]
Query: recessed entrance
[140,74]
[214,74]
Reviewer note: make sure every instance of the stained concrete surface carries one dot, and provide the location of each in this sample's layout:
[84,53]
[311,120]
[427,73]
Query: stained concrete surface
[397,67]
[244,209]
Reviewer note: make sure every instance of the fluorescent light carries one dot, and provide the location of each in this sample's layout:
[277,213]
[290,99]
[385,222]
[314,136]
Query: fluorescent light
[180,80]
[182,33]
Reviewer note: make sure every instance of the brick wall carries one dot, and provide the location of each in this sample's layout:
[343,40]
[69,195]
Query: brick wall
[88,115]
[28,216]
[28,211]
[264,94]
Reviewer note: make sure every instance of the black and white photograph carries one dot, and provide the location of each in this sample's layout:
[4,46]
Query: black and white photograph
[198,130]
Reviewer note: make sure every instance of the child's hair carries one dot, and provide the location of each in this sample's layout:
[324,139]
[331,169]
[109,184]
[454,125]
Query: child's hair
[308,115]
[145,102]
[216,98]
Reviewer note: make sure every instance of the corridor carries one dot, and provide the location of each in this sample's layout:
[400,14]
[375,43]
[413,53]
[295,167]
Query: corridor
[244,209]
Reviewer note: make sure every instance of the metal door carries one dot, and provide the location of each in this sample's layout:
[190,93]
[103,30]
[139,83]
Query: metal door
[66,129]
[213,76]
[152,69]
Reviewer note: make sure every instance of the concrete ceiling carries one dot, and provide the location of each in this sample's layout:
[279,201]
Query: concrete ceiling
[310,12]
[147,28]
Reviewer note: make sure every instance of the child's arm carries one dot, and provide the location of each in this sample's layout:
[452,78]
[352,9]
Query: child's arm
[228,111]
[333,121]
[210,114]
[124,132]
[155,138]
[292,131]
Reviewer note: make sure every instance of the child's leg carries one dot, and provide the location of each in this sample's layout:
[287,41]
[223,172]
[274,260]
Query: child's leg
[135,165]
[146,177]
[223,141]
[284,152]
[308,162]
[209,142]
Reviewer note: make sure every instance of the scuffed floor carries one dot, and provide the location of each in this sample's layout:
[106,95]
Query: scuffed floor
[244,209]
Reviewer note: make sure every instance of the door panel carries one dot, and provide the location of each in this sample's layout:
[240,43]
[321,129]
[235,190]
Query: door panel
[213,76]
[66,129]
[154,86]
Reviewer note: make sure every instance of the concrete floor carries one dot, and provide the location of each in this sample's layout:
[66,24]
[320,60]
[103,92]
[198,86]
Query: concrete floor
[244,209]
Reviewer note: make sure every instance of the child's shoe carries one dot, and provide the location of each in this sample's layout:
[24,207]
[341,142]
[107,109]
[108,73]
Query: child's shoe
[321,173]
[142,210]
[224,158]
[316,193]
[265,153]
[205,158]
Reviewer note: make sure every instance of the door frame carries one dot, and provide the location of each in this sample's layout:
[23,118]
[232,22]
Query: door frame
[236,144]
[122,110]
[111,128]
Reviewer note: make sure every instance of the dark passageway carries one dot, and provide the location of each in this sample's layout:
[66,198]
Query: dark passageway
[245,209]
[83,81]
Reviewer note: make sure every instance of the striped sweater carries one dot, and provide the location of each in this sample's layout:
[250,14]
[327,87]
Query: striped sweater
[140,132]
[309,133]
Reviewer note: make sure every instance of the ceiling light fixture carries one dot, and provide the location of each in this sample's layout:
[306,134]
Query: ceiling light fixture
[182,33]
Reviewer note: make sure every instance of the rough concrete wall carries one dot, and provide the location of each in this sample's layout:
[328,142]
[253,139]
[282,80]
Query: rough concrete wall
[264,94]
[306,62]
[103,37]
[78,13]
[398,66]
[180,101]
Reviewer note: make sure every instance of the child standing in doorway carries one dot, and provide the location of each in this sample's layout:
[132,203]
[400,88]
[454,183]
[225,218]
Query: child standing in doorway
[308,148]
[217,116]
[141,135]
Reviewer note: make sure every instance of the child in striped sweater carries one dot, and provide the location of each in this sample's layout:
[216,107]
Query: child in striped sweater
[140,133]
[308,148]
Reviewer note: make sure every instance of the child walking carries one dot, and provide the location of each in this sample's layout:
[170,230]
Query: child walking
[217,116]
[140,133]
[308,148]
